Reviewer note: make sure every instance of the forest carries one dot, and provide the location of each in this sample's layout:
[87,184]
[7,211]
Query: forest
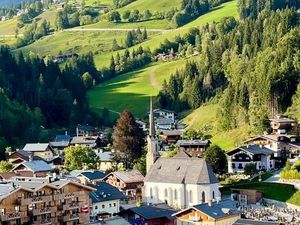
[250,65]
[9,3]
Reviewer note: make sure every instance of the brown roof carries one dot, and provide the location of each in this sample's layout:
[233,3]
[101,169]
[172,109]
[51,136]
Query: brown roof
[132,176]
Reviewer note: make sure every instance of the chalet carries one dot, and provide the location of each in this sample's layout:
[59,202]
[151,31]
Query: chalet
[164,124]
[86,130]
[218,213]
[91,177]
[283,145]
[44,201]
[254,222]
[171,136]
[60,143]
[10,175]
[42,150]
[37,167]
[164,113]
[105,200]
[239,157]
[150,215]
[89,141]
[246,196]
[195,147]
[129,182]
[21,156]
[107,160]
[61,6]
[282,125]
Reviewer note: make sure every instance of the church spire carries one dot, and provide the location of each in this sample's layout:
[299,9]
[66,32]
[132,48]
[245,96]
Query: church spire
[151,120]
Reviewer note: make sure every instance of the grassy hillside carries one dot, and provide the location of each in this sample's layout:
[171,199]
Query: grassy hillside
[8,27]
[131,91]
[99,42]
[205,119]
[227,9]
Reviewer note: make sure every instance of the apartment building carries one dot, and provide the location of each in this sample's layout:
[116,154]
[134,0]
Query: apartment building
[43,201]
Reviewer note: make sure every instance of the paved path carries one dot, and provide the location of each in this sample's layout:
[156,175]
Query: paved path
[112,29]
[153,80]
[113,111]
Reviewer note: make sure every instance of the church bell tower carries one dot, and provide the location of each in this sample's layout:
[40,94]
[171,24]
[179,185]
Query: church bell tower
[152,141]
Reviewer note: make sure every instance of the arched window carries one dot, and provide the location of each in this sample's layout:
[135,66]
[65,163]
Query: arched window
[203,196]
[166,192]
[175,194]
[151,193]
[213,194]
[191,196]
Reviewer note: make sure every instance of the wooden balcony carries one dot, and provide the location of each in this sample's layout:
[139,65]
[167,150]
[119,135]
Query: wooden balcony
[13,216]
[68,195]
[47,221]
[42,211]
[35,199]
[71,217]
[73,205]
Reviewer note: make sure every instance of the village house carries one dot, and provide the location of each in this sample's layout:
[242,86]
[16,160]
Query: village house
[170,136]
[90,177]
[42,150]
[44,201]
[20,156]
[86,130]
[107,160]
[218,213]
[246,196]
[59,143]
[88,141]
[282,125]
[5,177]
[164,124]
[129,182]
[38,167]
[195,147]
[283,145]
[165,114]
[239,157]
[150,215]
[106,200]
[142,125]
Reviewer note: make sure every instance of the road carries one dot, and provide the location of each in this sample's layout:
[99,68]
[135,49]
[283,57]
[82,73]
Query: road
[112,29]
[153,80]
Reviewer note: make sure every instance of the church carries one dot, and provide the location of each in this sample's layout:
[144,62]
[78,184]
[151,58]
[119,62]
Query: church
[180,181]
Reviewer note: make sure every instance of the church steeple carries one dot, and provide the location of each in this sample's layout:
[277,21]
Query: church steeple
[153,145]
[151,120]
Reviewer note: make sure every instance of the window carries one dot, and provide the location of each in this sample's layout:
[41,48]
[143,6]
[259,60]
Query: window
[233,165]
[166,192]
[203,197]
[103,206]
[240,166]
[213,195]
[191,196]
[175,194]
[96,207]
[115,204]
[151,193]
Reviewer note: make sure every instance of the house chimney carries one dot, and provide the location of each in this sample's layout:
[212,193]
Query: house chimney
[30,157]
[209,203]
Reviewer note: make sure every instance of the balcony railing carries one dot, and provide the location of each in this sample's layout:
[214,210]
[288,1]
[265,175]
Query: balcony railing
[73,205]
[68,195]
[13,216]
[35,199]
[46,221]
[71,217]
[44,211]
[194,218]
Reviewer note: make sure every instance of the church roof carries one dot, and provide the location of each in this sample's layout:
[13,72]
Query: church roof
[181,169]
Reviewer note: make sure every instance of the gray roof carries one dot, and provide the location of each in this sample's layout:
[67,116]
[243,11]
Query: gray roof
[105,192]
[151,212]
[252,149]
[116,220]
[36,147]
[84,140]
[196,142]
[56,144]
[216,211]
[37,166]
[163,121]
[172,132]
[181,169]
[105,156]
[254,222]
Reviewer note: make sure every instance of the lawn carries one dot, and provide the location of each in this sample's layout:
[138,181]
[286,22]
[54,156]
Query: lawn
[276,191]
[131,91]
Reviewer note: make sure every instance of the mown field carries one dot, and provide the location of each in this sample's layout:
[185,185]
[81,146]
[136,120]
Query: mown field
[131,91]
